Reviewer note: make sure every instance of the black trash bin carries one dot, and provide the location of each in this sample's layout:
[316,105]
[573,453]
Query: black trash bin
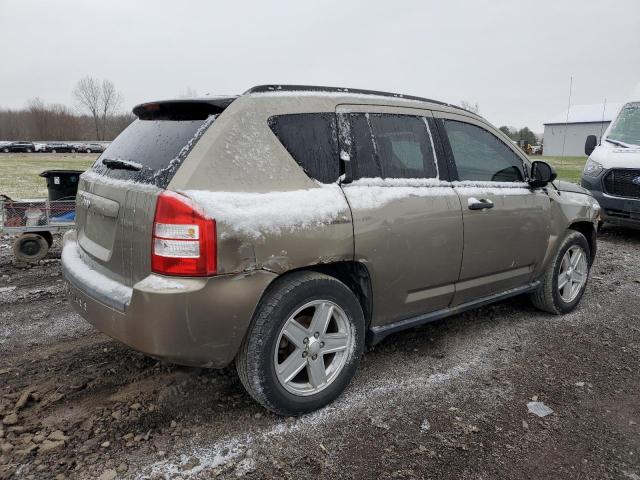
[62,184]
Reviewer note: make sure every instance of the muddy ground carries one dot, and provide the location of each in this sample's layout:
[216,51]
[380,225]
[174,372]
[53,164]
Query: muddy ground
[447,400]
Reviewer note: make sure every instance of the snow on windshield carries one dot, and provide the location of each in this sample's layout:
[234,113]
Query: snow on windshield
[626,126]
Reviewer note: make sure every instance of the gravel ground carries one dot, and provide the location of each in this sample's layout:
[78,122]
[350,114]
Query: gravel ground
[447,400]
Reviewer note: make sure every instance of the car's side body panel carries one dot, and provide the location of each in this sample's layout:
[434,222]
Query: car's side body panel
[408,235]
[503,245]
[423,250]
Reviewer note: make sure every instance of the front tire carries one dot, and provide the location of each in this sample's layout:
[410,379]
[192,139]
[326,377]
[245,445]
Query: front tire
[303,345]
[565,278]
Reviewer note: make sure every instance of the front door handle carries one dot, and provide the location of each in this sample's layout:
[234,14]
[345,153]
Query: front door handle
[482,204]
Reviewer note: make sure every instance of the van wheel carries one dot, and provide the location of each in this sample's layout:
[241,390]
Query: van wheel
[303,345]
[30,248]
[565,279]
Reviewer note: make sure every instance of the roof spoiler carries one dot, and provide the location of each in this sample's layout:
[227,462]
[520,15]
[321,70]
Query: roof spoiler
[191,109]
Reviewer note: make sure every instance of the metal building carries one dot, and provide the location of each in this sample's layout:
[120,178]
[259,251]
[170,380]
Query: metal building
[583,120]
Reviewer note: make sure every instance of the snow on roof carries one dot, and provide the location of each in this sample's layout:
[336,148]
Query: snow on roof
[588,113]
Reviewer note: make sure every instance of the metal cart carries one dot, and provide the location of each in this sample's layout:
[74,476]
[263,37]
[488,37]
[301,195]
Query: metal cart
[35,222]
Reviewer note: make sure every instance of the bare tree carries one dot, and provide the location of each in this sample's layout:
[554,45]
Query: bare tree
[472,107]
[111,101]
[100,99]
[87,95]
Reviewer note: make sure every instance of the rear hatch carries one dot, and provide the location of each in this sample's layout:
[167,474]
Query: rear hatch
[117,195]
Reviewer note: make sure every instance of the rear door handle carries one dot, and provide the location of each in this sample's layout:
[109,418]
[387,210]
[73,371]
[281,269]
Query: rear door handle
[482,204]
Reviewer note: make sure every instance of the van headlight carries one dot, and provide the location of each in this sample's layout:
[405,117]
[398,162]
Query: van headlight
[592,168]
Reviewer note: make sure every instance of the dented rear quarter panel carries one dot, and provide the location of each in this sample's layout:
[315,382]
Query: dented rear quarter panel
[240,154]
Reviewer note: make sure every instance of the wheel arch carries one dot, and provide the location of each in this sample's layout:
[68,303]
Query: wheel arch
[589,231]
[353,274]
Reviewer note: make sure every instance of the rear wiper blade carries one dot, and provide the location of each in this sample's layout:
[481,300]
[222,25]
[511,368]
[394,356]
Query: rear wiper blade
[119,164]
[616,142]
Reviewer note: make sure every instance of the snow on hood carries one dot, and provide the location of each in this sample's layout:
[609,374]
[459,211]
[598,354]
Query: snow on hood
[612,156]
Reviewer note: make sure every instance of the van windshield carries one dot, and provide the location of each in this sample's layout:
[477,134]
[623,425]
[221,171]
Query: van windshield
[626,127]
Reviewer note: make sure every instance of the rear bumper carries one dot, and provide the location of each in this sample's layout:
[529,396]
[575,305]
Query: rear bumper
[190,321]
[619,210]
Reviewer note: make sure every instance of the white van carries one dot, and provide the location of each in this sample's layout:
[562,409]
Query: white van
[612,171]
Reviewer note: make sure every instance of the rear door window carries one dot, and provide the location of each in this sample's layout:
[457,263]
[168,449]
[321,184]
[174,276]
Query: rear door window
[391,146]
[312,140]
[481,156]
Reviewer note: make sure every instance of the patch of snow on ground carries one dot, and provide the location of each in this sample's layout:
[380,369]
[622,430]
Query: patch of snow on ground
[373,391]
[256,214]
[217,455]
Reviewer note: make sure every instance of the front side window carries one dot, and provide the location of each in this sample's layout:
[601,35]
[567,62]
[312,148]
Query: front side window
[481,156]
[391,146]
[312,140]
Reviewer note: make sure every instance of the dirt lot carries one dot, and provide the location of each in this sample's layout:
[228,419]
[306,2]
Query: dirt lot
[448,400]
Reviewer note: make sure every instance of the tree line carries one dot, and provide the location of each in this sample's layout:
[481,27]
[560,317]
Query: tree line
[523,134]
[97,115]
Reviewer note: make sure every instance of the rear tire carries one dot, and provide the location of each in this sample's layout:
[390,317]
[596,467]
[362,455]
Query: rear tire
[556,293]
[284,362]
[30,248]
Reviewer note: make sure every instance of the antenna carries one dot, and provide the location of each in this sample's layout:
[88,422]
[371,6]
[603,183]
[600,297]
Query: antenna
[566,122]
[604,107]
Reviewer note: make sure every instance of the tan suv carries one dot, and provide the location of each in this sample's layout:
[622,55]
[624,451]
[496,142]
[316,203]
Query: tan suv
[289,227]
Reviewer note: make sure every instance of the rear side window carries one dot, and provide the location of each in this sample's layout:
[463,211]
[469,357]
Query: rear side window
[392,146]
[312,140]
[158,146]
[479,155]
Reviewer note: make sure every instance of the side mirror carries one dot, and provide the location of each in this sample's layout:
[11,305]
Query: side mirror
[590,145]
[541,174]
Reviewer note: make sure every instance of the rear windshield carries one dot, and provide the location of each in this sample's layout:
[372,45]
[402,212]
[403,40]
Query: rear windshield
[156,147]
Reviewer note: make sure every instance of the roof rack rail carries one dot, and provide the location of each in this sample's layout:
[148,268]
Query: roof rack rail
[312,88]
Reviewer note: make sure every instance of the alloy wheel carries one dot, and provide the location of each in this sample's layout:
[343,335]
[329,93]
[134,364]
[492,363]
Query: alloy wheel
[313,347]
[573,273]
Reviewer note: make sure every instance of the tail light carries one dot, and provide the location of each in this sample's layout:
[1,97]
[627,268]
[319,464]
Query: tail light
[184,239]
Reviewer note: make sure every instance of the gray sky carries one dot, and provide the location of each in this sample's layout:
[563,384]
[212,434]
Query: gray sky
[512,57]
